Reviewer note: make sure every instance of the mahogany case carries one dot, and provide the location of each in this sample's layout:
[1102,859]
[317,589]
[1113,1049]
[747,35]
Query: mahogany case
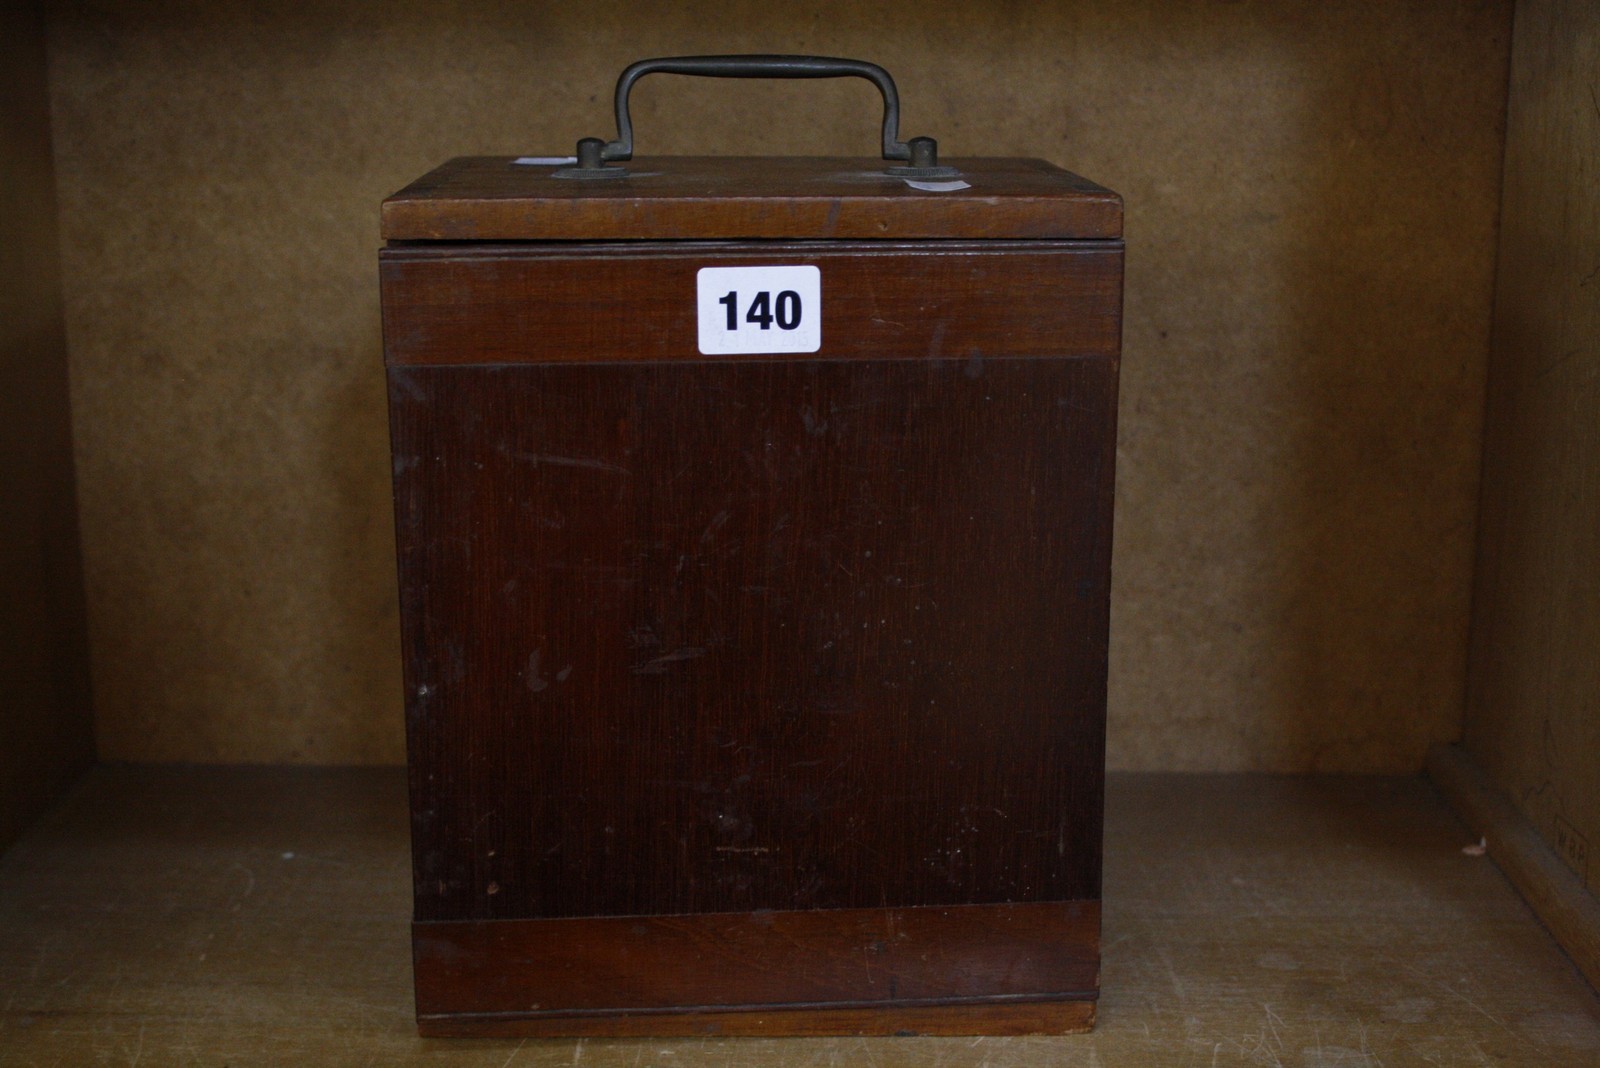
[754,694]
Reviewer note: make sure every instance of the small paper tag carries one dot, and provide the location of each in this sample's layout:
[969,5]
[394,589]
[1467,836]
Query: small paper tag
[743,310]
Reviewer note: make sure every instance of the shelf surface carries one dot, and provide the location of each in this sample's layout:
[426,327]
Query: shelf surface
[259,916]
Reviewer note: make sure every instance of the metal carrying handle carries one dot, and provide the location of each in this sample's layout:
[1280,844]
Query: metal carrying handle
[921,153]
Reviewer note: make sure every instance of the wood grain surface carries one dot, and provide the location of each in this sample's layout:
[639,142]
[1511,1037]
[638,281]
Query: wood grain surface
[260,917]
[1533,719]
[715,197]
[679,970]
[771,655]
[588,303]
[1541,874]
[711,637]
[978,1022]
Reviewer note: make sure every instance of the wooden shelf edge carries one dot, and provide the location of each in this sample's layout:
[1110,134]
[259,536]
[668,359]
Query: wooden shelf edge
[1555,894]
[950,1021]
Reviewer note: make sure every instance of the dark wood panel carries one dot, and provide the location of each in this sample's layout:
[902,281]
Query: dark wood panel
[47,731]
[509,304]
[716,637]
[850,958]
[726,197]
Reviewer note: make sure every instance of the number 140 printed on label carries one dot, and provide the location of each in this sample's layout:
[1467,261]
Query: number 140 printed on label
[745,310]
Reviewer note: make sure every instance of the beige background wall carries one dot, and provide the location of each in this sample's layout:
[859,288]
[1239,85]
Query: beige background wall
[1312,193]
[1533,717]
[46,726]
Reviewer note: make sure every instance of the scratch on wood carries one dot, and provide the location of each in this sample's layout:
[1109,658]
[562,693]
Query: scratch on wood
[571,461]
[659,665]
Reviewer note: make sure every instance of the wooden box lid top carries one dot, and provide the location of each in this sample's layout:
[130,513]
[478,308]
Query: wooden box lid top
[496,198]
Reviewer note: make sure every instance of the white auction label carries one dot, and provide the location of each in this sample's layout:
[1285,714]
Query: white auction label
[759,309]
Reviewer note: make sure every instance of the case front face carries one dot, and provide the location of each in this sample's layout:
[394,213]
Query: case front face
[758,692]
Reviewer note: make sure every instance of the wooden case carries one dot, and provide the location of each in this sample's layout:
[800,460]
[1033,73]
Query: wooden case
[757,694]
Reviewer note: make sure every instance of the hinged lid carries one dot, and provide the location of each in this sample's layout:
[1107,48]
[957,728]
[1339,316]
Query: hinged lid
[590,196]
[480,198]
